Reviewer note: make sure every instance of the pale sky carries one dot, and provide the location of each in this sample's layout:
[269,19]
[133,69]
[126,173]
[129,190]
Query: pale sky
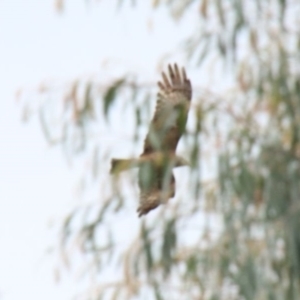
[36,185]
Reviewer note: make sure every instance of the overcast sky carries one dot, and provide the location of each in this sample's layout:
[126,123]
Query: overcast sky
[36,186]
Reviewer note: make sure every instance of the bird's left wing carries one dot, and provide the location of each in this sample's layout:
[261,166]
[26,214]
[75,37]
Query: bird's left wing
[172,106]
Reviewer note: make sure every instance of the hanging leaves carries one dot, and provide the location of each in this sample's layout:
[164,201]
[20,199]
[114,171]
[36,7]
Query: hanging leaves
[110,95]
[168,246]
[147,248]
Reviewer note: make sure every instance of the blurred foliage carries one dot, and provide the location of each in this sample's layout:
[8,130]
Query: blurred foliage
[249,247]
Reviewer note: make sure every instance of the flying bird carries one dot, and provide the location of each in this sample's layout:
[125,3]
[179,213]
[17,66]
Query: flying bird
[155,176]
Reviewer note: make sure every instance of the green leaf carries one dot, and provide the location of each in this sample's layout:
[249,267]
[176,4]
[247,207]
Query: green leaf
[168,246]
[158,295]
[220,11]
[147,248]
[88,109]
[191,266]
[110,94]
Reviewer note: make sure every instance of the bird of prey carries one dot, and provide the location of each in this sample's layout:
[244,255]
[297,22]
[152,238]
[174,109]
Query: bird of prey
[155,176]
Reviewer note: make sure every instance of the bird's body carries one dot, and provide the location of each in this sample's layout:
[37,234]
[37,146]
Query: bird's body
[156,183]
[155,177]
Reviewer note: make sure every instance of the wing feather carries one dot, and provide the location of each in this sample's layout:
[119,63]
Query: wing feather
[166,80]
[165,132]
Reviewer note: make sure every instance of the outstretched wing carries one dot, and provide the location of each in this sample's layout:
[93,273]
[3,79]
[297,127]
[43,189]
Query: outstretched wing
[169,121]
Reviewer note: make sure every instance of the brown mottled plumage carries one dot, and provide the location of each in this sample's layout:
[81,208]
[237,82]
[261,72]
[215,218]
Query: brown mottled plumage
[155,178]
[172,106]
